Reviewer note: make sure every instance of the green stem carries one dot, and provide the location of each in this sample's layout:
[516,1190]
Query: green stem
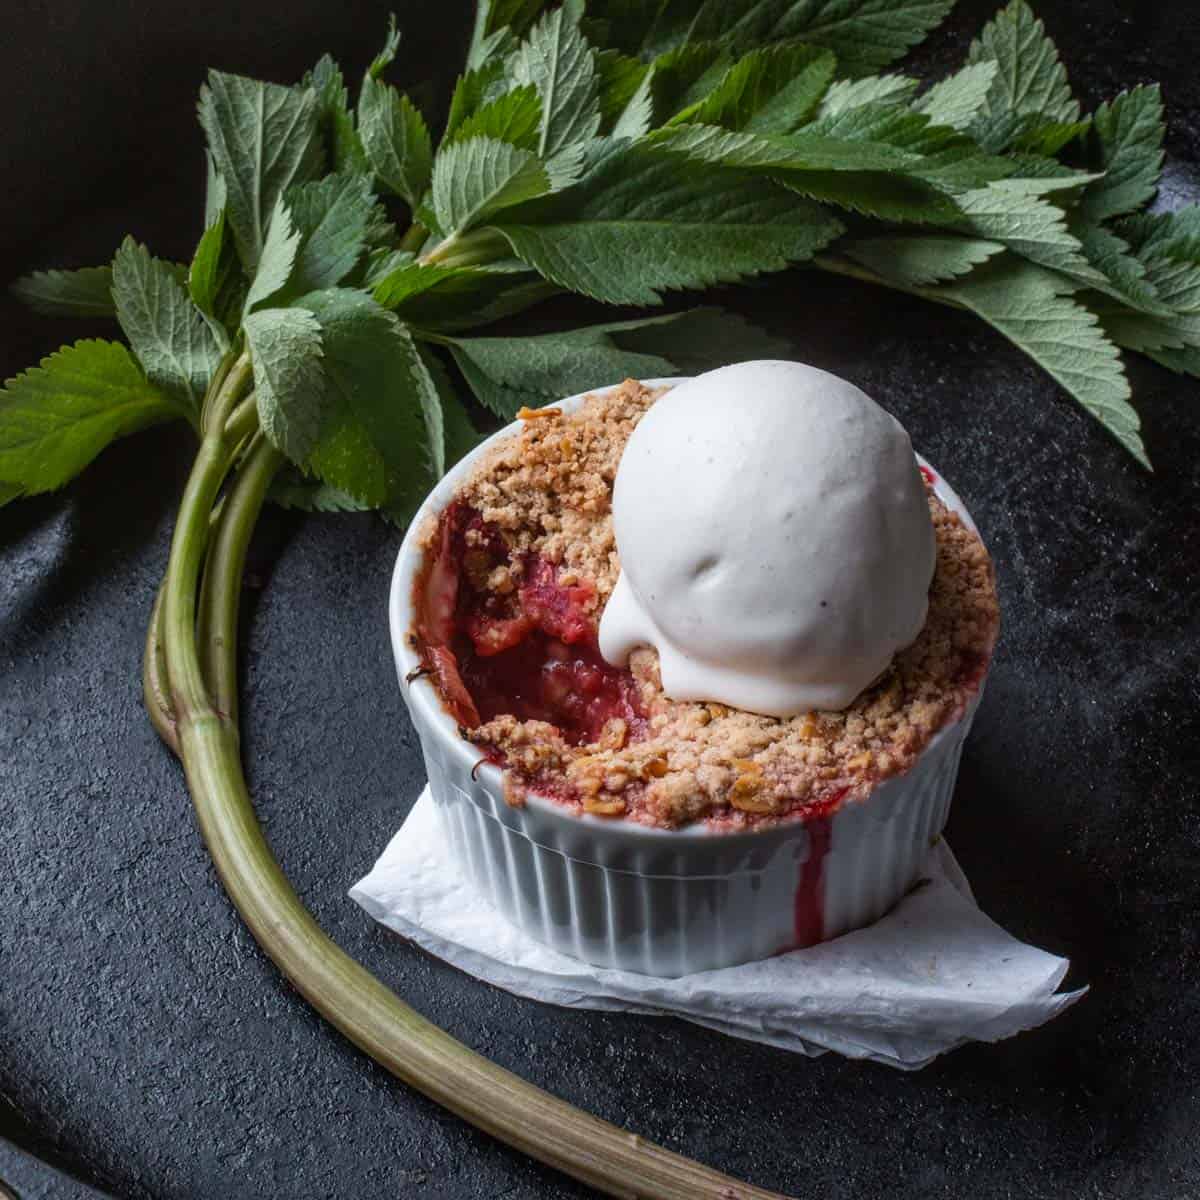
[221,591]
[228,383]
[414,237]
[467,250]
[369,1014]
[156,689]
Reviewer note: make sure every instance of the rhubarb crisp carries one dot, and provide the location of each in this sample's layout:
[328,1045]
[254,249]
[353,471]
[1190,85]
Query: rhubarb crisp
[517,571]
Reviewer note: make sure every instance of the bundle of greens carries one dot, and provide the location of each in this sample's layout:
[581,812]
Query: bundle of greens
[621,150]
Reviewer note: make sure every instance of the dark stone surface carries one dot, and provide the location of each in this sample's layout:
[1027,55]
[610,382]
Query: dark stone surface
[147,1046]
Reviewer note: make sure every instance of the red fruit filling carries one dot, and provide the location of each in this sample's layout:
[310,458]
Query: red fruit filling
[529,652]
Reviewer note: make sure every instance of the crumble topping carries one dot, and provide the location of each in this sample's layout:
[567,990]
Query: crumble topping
[532,529]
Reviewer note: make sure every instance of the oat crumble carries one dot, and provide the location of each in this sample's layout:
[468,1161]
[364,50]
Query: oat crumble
[547,494]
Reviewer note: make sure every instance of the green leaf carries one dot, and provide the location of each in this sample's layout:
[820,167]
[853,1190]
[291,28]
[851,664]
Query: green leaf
[387,55]
[864,34]
[492,17]
[506,372]
[1030,84]
[1049,137]
[56,417]
[430,398]
[332,216]
[83,293]
[957,101]
[460,435]
[637,118]
[771,90]
[1126,144]
[557,60]
[647,222]
[334,119]
[697,339]
[682,78]
[396,140]
[285,346]
[922,260]
[474,179]
[212,266]
[514,117]
[867,177]
[372,442]
[1173,269]
[263,138]
[1126,277]
[311,495]
[1032,227]
[1028,306]
[847,94]
[278,258]
[166,330]
[10,491]
[216,194]
[472,91]
[1149,233]
[620,79]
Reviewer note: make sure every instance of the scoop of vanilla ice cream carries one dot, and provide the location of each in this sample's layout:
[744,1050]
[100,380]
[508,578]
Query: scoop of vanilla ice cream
[775,540]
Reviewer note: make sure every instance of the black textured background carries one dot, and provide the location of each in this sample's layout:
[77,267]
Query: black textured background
[147,1046]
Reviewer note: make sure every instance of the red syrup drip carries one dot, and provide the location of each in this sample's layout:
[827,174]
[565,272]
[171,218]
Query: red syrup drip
[929,476]
[809,900]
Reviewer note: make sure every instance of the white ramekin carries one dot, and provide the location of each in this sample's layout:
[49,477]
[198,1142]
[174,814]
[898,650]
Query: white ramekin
[659,901]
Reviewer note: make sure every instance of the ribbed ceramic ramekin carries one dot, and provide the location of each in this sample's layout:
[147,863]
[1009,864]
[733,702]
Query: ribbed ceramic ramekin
[659,901]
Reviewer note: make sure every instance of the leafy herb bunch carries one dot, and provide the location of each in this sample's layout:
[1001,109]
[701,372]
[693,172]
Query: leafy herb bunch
[620,149]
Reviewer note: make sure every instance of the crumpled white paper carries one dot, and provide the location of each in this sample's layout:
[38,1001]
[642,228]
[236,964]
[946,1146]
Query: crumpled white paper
[931,975]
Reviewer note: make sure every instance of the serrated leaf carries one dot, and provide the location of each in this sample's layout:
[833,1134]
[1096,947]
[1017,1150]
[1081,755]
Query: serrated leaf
[1030,82]
[637,118]
[514,117]
[334,117]
[847,94]
[682,78]
[647,222]
[1028,306]
[549,366]
[387,55]
[920,261]
[774,89]
[289,383]
[1125,275]
[331,216]
[492,18]
[475,179]
[1048,137]
[55,418]
[312,495]
[472,91]
[1032,227]
[278,257]
[263,138]
[868,177]
[216,194]
[957,101]
[1148,233]
[619,79]
[864,34]
[698,339]
[1126,144]
[167,332]
[1173,268]
[459,435]
[86,292]
[396,140]
[372,443]
[557,60]
[208,274]
[9,492]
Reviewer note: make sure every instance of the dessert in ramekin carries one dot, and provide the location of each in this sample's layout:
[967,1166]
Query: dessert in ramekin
[618,825]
